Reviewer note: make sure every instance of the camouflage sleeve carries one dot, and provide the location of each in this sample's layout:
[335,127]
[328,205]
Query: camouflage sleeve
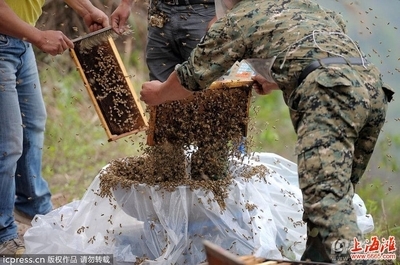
[220,48]
[337,18]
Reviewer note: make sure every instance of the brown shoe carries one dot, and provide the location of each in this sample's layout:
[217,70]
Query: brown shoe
[12,248]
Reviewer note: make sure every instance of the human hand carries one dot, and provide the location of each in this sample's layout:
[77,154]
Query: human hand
[120,16]
[96,19]
[156,93]
[52,42]
[150,93]
[262,86]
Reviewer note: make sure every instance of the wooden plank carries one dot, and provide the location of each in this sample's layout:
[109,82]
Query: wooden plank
[219,256]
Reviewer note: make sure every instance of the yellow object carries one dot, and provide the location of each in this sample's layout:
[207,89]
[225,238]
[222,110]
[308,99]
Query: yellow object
[27,10]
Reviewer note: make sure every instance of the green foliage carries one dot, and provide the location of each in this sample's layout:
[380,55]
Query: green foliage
[384,207]
[390,144]
[270,129]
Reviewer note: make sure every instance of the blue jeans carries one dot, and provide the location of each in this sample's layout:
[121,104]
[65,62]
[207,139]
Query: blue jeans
[22,124]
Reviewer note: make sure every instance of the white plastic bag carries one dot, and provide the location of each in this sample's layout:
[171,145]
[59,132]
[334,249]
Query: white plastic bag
[263,217]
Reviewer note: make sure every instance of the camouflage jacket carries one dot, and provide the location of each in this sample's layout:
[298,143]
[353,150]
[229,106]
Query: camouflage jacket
[295,31]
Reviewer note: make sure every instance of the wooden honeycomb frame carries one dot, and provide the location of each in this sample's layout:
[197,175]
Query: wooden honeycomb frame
[164,119]
[110,89]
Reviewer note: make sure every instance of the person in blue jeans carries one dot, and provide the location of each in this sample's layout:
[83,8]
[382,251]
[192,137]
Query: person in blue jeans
[22,111]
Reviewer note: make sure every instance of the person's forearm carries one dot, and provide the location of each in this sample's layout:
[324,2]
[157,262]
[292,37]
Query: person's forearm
[155,93]
[82,7]
[12,25]
[173,90]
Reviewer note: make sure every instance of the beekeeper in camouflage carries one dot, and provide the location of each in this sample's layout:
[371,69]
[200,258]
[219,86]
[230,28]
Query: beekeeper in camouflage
[336,99]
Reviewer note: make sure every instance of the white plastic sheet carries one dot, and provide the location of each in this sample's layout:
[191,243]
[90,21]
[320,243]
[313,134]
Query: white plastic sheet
[263,217]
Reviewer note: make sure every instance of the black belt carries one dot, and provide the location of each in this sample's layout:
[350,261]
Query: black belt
[329,60]
[189,2]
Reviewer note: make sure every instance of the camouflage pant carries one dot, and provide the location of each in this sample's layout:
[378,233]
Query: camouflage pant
[337,118]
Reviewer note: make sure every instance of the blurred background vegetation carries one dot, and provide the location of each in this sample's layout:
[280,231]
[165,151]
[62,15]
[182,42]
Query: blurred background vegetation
[76,146]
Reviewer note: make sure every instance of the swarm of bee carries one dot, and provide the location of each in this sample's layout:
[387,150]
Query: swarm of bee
[194,141]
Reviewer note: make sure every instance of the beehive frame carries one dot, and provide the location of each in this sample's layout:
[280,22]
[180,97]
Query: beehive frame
[110,89]
[163,117]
